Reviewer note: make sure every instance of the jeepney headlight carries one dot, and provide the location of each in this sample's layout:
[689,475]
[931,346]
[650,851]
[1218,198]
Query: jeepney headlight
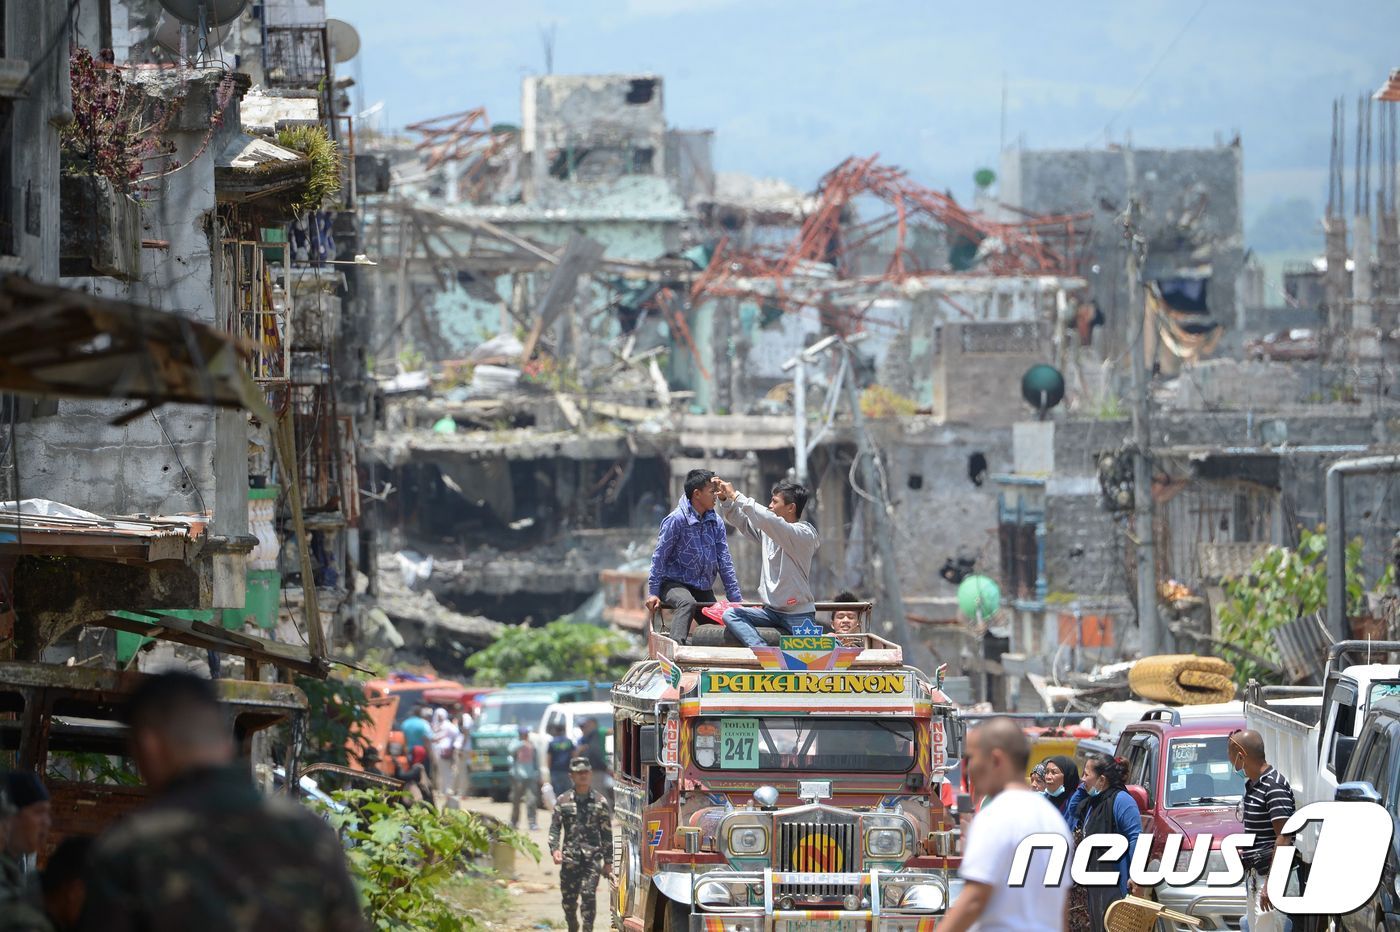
[885,843]
[747,840]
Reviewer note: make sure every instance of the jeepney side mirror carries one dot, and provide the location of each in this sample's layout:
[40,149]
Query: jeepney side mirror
[647,733]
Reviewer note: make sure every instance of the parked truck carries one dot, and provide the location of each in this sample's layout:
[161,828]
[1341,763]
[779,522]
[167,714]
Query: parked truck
[1310,732]
[793,787]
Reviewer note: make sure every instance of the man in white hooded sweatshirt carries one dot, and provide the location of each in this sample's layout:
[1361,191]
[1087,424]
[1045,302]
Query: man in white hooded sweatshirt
[789,543]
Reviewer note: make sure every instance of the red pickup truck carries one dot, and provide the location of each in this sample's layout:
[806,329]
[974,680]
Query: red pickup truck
[1191,790]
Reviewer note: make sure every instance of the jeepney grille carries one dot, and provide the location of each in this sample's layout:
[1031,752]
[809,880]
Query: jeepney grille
[816,848]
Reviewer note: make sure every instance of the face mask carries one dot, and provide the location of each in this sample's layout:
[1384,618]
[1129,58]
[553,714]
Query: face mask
[1057,792]
[1239,768]
[1094,791]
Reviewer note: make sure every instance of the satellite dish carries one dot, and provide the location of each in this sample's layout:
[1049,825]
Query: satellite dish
[168,32]
[1043,387]
[209,13]
[344,40]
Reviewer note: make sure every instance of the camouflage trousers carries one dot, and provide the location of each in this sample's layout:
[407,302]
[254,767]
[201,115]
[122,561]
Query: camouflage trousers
[578,882]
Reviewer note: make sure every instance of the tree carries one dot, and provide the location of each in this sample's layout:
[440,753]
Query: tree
[1283,585]
[560,650]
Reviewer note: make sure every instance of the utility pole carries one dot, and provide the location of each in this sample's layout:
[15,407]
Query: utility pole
[1149,630]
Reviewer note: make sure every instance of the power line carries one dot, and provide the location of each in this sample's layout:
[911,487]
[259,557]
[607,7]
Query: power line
[1152,70]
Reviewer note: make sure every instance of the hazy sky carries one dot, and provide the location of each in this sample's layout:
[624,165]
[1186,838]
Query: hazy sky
[791,88]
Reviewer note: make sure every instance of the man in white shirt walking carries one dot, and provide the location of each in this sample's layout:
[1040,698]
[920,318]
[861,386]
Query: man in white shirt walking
[997,754]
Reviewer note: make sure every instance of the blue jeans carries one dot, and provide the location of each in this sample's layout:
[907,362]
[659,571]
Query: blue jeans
[742,621]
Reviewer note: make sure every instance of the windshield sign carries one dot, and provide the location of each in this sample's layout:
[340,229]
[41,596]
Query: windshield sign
[1199,773]
[804,744]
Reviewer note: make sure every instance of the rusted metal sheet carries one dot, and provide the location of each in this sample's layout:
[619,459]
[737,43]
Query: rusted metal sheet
[58,341]
[1302,646]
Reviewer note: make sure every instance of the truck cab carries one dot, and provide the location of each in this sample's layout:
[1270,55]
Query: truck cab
[1310,732]
[793,787]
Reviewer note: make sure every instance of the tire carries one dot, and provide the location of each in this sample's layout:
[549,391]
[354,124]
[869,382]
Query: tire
[499,796]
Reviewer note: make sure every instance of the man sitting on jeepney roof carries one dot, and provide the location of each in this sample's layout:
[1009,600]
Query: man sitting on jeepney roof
[789,543]
[845,620]
[690,549]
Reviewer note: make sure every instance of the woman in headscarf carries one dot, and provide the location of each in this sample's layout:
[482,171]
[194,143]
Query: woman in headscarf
[1038,777]
[1061,777]
[1103,808]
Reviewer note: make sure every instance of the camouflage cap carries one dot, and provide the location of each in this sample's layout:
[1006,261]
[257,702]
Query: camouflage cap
[580,765]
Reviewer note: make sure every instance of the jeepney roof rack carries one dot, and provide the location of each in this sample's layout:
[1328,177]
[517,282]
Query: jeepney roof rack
[876,651]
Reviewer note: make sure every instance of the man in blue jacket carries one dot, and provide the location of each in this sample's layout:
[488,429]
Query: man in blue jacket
[690,549]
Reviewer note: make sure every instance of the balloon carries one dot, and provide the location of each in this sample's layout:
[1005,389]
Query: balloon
[979,596]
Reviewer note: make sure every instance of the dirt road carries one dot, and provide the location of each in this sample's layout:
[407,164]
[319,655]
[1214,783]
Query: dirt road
[534,890]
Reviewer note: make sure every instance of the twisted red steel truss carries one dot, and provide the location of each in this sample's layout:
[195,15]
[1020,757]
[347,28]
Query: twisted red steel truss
[461,137]
[832,234]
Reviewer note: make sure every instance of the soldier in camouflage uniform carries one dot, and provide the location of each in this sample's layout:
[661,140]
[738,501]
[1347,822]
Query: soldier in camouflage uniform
[209,853]
[580,839]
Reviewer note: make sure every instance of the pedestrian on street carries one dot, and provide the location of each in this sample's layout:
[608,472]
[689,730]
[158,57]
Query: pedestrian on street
[445,737]
[997,754]
[418,733]
[593,746]
[560,752]
[463,779]
[524,779]
[789,544]
[1266,806]
[209,852]
[1104,807]
[1061,783]
[691,547]
[580,841]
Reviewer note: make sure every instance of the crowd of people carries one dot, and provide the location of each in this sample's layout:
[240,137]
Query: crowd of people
[1055,799]
[527,772]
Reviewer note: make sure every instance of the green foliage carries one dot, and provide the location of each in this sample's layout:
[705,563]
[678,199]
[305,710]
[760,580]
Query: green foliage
[406,858]
[324,155]
[561,650]
[1281,586]
[339,709]
[91,767]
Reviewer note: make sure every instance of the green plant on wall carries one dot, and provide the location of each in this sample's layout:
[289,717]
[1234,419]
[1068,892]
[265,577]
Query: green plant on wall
[1283,585]
[324,155]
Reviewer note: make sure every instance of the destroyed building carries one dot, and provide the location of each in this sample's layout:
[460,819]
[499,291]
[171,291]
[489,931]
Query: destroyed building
[219,519]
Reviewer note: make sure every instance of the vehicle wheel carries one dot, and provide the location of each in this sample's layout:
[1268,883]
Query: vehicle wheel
[499,796]
[676,916]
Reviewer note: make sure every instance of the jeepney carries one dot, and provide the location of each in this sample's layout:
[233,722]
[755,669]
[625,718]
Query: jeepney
[795,787]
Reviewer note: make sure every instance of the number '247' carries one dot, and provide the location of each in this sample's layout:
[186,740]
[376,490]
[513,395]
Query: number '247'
[738,748]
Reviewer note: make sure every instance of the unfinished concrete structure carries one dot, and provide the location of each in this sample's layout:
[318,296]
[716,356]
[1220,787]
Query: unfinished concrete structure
[1192,219]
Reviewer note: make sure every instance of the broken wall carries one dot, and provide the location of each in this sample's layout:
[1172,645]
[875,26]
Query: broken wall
[583,129]
[1192,217]
[161,463]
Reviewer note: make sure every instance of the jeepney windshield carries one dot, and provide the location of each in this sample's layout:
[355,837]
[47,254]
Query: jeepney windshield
[808,745]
